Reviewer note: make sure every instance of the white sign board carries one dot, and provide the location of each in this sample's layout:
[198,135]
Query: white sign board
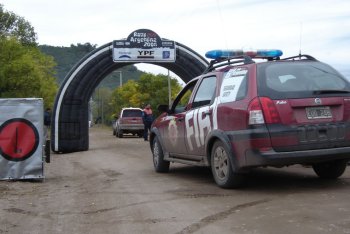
[144,45]
[230,84]
[21,138]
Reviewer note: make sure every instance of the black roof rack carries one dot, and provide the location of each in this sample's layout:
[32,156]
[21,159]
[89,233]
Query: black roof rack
[300,57]
[245,59]
[216,63]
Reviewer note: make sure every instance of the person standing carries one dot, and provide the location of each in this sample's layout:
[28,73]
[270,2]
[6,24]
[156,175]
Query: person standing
[47,122]
[147,117]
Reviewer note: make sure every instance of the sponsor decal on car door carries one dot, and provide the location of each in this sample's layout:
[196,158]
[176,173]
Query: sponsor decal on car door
[198,124]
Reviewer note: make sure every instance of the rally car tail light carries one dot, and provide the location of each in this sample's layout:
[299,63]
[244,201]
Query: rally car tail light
[255,112]
[270,111]
[263,110]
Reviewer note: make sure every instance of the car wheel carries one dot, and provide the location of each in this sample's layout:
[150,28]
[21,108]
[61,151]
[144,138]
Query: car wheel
[330,170]
[160,165]
[221,167]
[120,133]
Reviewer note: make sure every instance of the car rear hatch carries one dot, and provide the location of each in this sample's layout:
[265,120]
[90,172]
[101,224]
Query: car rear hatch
[306,105]
[131,120]
[131,117]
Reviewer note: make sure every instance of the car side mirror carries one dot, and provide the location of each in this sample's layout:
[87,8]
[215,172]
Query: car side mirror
[163,108]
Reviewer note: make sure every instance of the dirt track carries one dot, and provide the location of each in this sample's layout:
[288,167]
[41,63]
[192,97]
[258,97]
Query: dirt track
[112,188]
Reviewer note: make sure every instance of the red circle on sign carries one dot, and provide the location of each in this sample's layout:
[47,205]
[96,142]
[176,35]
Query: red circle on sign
[19,139]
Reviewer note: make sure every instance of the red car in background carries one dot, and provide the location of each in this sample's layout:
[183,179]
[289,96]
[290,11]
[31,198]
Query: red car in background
[242,114]
[129,122]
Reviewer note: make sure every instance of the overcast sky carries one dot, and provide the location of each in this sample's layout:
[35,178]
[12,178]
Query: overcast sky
[320,28]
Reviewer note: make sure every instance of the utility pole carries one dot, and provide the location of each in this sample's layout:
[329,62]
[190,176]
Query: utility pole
[169,88]
[120,78]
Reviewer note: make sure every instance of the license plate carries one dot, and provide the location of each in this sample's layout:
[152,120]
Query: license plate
[320,112]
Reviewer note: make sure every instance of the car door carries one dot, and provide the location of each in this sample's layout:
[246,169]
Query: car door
[198,119]
[172,126]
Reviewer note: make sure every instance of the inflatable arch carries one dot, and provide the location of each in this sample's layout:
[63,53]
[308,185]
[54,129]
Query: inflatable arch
[69,126]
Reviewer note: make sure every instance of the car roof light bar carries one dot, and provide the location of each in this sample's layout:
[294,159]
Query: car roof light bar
[217,54]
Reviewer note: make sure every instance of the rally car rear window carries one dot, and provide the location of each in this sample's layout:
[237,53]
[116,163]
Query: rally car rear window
[299,79]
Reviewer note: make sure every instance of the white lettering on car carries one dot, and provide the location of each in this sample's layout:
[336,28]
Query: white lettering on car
[203,123]
[189,129]
[198,123]
[215,112]
[195,124]
[281,102]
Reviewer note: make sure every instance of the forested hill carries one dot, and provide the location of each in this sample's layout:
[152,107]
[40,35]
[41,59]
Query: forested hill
[67,57]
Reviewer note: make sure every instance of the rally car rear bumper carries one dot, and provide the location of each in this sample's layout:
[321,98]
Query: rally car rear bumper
[272,158]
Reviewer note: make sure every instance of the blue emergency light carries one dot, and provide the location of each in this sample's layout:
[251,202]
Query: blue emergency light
[217,54]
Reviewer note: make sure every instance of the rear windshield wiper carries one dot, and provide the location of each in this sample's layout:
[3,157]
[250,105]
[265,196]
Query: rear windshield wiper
[329,91]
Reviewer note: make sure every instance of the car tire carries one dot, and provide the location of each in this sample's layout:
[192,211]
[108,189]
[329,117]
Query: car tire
[120,133]
[330,170]
[221,167]
[160,165]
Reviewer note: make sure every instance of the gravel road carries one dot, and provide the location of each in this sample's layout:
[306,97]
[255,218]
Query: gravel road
[112,188]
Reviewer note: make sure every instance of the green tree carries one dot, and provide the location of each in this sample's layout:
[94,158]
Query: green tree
[12,25]
[149,88]
[25,72]
[125,96]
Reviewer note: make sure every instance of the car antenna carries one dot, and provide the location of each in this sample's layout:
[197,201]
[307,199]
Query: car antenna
[221,22]
[301,32]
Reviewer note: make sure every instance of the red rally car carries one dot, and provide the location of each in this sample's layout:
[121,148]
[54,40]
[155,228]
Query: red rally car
[241,114]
